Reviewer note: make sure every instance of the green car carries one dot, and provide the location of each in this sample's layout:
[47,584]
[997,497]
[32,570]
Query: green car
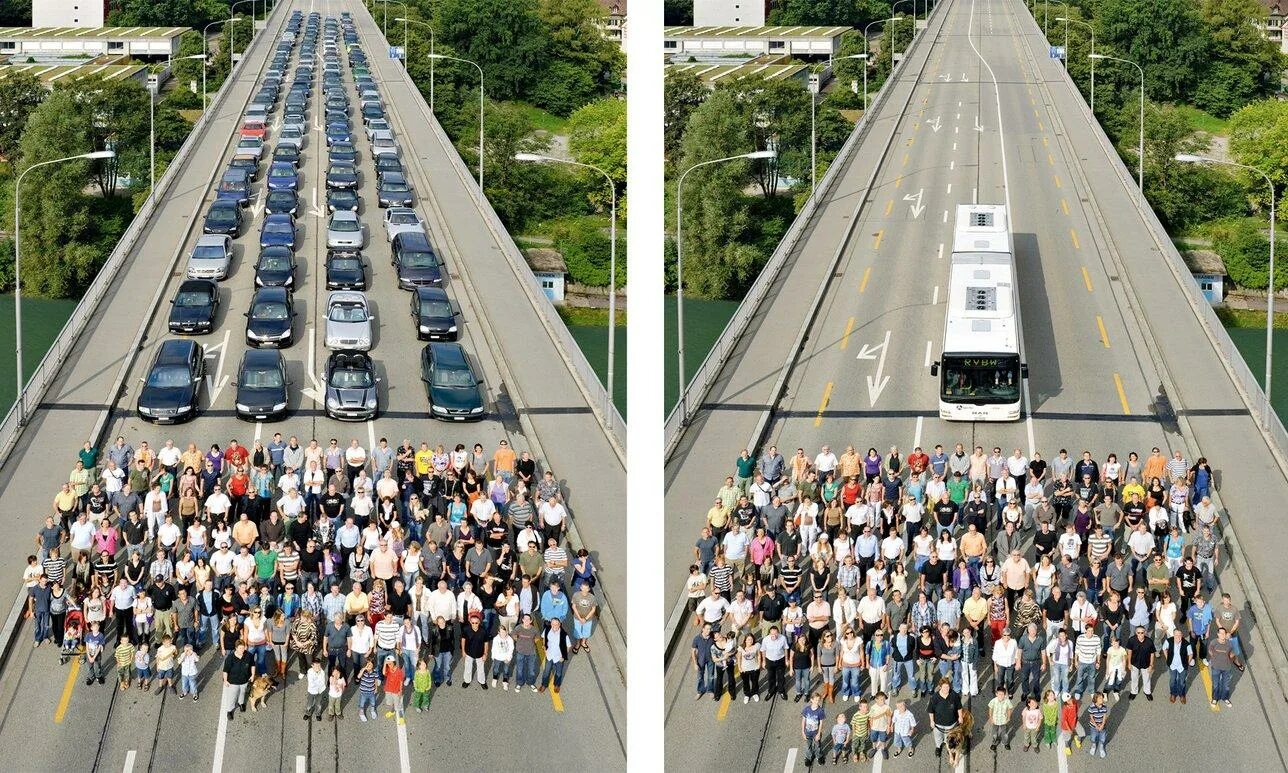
[454,389]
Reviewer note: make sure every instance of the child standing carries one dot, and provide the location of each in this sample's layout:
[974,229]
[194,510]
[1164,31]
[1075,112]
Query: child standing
[95,656]
[143,665]
[903,723]
[367,679]
[422,682]
[1069,723]
[1031,718]
[999,717]
[1097,718]
[859,736]
[124,662]
[1050,718]
[335,693]
[840,740]
[316,691]
[394,676]
[879,724]
[166,655]
[188,671]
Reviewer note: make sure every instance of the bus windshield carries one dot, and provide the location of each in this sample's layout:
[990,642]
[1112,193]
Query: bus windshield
[978,378]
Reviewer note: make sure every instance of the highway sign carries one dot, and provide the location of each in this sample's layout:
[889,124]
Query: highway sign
[396,52]
[1057,52]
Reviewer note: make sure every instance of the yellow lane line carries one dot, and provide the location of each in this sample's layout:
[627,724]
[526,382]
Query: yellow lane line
[66,698]
[1057,181]
[910,141]
[1041,128]
[723,711]
[1074,236]
[1044,142]
[827,394]
[1064,205]
[898,180]
[867,272]
[1086,278]
[876,245]
[849,328]
[889,207]
[554,696]
[1122,396]
[905,159]
[1035,113]
[1207,685]
[1050,159]
[1104,336]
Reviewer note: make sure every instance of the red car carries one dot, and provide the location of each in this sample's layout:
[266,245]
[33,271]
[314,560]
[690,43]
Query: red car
[254,128]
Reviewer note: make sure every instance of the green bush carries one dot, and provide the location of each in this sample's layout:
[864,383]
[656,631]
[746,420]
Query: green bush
[584,244]
[1245,248]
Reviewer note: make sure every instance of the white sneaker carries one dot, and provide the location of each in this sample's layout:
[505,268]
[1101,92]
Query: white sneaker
[505,685]
[1102,752]
[756,698]
[534,688]
[1228,704]
[494,681]
[362,717]
[745,699]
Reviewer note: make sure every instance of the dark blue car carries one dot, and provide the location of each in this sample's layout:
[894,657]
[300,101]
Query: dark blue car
[338,133]
[283,177]
[278,231]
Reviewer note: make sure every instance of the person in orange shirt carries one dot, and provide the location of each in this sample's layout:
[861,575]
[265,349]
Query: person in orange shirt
[503,462]
[1155,466]
[394,677]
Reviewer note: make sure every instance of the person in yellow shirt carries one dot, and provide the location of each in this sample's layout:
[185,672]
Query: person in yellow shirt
[1133,486]
[424,460]
[718,519]
[975,611]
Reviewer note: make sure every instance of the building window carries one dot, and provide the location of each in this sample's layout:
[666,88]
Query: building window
[665,44]
[8,45]
[115,45]
[547,284]
[1206,285]
[777,45]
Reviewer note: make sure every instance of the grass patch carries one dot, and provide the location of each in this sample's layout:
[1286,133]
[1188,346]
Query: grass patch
[581,316]
[543,120]
[1249,318]
[1204,122]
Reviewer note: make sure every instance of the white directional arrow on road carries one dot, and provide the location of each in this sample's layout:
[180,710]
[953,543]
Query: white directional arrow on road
[978,127]
[946,76]
[877,383]
[934,124]
[317,211]
[316,392]
[918,207]
[216,383]
[257,208]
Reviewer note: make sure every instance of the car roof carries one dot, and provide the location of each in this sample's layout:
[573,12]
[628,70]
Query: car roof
[279,217]
[349,360]
[225,204]
[276,251]
[432,294]
[346,296]
[175,350]
[449,354]
[220,240]
[393,176]
[413,239]
[344,214]
[389,213]
[193,285]
[261,358]
[278,294]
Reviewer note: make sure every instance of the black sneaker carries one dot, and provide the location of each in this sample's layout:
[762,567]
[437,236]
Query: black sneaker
[939,751]
[483,685]
[306,717]
[243,708]
[465,685]
[230,713]
[100,680]
[1149,696]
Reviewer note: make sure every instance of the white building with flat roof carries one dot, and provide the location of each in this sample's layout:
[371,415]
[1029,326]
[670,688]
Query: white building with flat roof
[728,13]
[68,13]
[725,41]
[161,42]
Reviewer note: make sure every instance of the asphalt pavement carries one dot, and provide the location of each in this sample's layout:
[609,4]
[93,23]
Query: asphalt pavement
[863,375]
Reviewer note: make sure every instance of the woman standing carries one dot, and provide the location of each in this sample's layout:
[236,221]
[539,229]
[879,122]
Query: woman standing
[750,661]
[825,663]
[802,662]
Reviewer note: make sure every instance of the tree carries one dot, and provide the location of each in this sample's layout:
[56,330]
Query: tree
[1244,65]
[777,116]
[166,13]
[1183,195]
[894,37]
[114,113]
[507,38]
[1259,138]
[845,13]
[1168,38]
[676,13]
[1244,247]
[580,56]
[20,94]
[188,71]
[682,93]
[597,136]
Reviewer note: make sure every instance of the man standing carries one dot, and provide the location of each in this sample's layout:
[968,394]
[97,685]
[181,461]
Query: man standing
[945,709]
[1140,656]
[238,671]
[556,644]
[700,657]
[1221,656]
[1179,653]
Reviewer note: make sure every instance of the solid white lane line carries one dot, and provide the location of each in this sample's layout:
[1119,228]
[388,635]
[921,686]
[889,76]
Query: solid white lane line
[404,756]
[221,738]
[945,216]
[934,301]
[950,188]
[301,764]
[129,761]
[916,439]
[940,253]
[791,760]
[928,345]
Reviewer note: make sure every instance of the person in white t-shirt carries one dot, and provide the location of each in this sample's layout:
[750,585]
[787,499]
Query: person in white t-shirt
[169,456]
[217,504]
[825,462]
[552,515]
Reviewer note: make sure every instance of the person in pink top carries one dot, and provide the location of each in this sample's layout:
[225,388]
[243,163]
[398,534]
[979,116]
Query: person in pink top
[105,539]
[762,548]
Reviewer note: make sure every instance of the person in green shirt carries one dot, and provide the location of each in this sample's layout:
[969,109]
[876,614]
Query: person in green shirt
[860,742]
[266,566]
[957,488]
[88,456]
[999,718]
[1050,717]
[422,682]
[746,468]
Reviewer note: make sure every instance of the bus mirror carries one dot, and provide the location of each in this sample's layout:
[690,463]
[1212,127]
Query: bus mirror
[1024,370]
[934,368]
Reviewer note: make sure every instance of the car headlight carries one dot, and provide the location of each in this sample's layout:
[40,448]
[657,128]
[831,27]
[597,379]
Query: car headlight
[145,411]
[284,334]
[424,328]
[279,407]
[364,342]
[439,409]
[332,403]
[184,409]
[452,329]
[477,410]
[371,403]
[242,407]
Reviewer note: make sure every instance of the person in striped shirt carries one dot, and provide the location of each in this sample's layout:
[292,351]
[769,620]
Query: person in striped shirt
[1098,723]
[1087,650]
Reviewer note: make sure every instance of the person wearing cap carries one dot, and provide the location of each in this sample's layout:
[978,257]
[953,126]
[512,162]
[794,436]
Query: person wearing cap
[475,643]
[394,677]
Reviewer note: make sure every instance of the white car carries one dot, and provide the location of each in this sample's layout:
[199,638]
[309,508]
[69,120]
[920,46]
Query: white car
[344,231]
[378,125]
[292,135]
[383,146]
[210,257]
[348,321]
[399,219]
[250,146]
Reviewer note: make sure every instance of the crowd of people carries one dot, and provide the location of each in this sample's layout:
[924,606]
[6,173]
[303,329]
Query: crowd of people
[375,570]
[1068,582]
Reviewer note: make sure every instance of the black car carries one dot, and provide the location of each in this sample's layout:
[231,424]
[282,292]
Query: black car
[342,174]
[417,263]
[282,202]
[193,307]
[434,313]
[223,217]
[451,383]
[173,384]
[345,270]
[393,190]
[387,162]
[287,153]
[275,267]
[261,385]
[338,199]
[351,387]
[271,319]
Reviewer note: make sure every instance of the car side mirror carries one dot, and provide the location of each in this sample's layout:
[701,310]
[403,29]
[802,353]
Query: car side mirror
[934,368]
[1024,370]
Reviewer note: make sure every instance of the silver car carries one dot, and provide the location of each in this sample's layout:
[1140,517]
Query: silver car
[251,146]
[381,146]
[210,257]
[292,135]
[378,125]
[348,321]
[399,219]
[344,231]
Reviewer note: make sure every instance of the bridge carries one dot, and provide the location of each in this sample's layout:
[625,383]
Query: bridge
[541,395]
[835,348]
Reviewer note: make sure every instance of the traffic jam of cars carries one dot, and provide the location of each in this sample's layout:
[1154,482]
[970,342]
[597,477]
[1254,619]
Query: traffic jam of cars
[263,181]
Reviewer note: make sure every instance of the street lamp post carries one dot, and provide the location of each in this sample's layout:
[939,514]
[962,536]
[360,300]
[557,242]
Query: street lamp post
[894,19]
[1140,160]
[205,51]
[152,124]
[432,57]
[1066,21]
[867,55]
[679,268]
[612,252]
[864,57]
[17,266]
[1190,158]
[402,19]
[232,31]
[405,21]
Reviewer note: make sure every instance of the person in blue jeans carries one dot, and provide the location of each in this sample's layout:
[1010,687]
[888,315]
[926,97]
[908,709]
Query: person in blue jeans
[1179,656]
[700,658]
[1221,656]
[525,653]
[444,644]
[812,730]
[38,609]
[557,644]
[367,682]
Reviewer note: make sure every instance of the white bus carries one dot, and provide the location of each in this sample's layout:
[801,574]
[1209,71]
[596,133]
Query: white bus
[979,371]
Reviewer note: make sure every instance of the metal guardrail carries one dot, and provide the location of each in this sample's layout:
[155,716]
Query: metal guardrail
[704,377]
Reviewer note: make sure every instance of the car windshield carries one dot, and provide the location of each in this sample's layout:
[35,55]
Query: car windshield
[262,378]
[209,252]
[453,378]
[232,185]
[350,378]
[269,311]
[192,299]
[341,169]
[274,263]
[435,308]
[277,228]
[420,260]
[345,264]
[347,312]
[285,170]
[345,225]
[223,215]
[169,377]
[281,199]
[396,186]
[250,142]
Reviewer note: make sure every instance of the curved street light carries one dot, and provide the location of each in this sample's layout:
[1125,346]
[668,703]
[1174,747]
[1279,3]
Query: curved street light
[405,22]
[1140,159]
[1088,25]
[432,57]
